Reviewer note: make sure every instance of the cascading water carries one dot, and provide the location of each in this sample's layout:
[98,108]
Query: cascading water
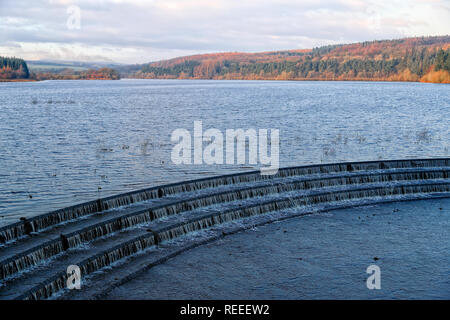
[132,222]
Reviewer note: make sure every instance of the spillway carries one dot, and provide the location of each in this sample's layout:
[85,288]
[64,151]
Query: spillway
[113,239]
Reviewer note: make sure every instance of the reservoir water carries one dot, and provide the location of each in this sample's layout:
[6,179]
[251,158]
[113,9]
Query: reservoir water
[66,142]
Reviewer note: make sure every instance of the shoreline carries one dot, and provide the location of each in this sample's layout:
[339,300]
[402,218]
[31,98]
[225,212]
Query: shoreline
[234,79]
[35,80]
[293,80]
[18,80]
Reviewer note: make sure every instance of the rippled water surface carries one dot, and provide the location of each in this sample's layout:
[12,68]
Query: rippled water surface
[65,142]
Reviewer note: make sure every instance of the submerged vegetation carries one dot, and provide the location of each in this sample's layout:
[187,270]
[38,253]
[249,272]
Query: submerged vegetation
[424,59]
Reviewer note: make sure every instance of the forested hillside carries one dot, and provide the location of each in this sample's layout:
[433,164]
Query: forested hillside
[411,59]
[13,68]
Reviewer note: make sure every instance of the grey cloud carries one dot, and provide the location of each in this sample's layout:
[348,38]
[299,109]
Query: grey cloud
[246,25]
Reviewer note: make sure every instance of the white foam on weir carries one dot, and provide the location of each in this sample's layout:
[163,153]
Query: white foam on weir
[22,262]
[89,266]
[18,273]
[205,222]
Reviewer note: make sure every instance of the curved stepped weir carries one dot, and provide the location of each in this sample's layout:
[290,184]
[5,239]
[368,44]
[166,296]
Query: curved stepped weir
[73,235]
[36,252]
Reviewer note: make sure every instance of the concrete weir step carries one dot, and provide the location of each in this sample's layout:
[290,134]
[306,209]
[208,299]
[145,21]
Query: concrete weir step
[99,236]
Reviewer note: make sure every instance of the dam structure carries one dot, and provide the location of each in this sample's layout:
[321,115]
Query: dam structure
[114,239]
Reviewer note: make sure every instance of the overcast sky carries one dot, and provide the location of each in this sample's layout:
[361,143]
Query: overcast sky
[133,31]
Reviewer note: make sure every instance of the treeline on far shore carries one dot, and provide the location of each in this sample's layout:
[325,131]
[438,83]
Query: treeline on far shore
[16,69]
[70,74]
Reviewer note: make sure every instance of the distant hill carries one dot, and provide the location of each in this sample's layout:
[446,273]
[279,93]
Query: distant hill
[13,68]
[55,66]
[73,70]
[77,74]
[411,59]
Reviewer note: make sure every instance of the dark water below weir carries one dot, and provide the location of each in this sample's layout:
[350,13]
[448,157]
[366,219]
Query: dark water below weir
[62,140]
[322,256]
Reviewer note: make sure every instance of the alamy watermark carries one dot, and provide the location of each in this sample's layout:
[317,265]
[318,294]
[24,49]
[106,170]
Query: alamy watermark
[374,280]
[214,147]
[74,19]
[74,277]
